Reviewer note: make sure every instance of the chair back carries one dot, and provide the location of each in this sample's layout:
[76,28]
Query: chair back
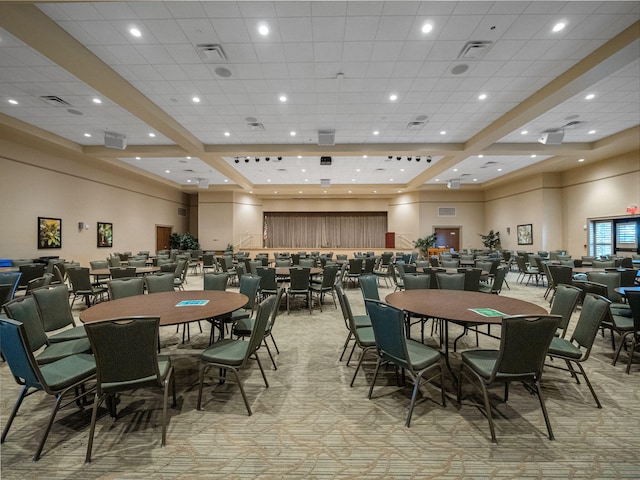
[368,265]
[283,262]
[208,260]
[611,280]
[345,306]
[564,303]
[471,279]
[254,265]
[595,308]
[79,278]
[99,264]
[25,311]
[249,285]
[434,261]
[265,310]
[409,268]
[215,281]
[29,272]
[39,282]
[18,353]
[450,281]
[307,262]
[275,309]
[268,281]
[389,331]
[453,263]
[498,279]
[181,264]
[355,266]
[628,277]
[122,272]
[299,279]
[417,281]
[125,287]
[137,262]
[53,307]
[329,275]
[369,287]
[524,342]
[560,274]
[603,263]
[114,261]
[160,282]
[125,350]
[633,299]
[12,279]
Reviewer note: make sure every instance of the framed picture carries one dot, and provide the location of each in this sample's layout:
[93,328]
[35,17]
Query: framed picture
[105,234]
[49,232]
[525,234]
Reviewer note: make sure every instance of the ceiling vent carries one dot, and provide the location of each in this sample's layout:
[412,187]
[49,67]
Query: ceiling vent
[211,53]
[325,160]
[489,164]
[415,125]
[255,126]
[115,140]
[446,211]
[326,138]
[474,50]
[55,100]
[453,184]
[325,182]
[203,183]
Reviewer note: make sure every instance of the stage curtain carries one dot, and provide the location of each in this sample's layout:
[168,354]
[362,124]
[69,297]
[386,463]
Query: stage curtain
[324,229]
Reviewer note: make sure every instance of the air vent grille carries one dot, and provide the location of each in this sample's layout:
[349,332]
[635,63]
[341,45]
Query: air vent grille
[475,50]
[446,211]
[255,126]
[211,53]
[182,212]
[55,100]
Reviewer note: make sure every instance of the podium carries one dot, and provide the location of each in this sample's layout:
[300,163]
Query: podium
[390,240]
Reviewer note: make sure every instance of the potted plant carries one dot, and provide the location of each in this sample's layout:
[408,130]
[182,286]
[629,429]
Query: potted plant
[491,240]
[424,244]
[184,241]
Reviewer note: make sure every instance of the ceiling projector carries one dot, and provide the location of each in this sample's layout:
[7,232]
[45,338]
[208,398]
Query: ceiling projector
[552,138]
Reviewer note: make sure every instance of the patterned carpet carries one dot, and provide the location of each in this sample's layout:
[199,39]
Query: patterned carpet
[310,424]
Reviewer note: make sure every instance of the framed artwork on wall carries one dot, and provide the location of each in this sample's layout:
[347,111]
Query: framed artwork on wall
[525,234]
[105,234]
[49,232]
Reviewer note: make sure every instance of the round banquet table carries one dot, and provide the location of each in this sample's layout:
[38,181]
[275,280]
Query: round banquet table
[454,306]
[285,271]
[139,271]
[164,305]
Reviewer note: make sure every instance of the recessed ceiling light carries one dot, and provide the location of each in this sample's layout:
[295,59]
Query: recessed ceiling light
[393,97]
[283,98]
[324,191]
[375,191]
[250,191]
[188,158]
[135,32]
[226,180]
[96,100]
[293,134]
[475,179]
[299,191]
[353,179]
[524,132]
[499,169]
[227,134]
[349,191]
[167,171]
[263,30]
[188,181]
[558,26]
[87,135]
[391,179]
[376,132]
[357,169]
[581,159]
[268,180]
[443,132]
[533,156]
[591,96]
[455,169]
[303,170]
[591,132]
[402,169]
[482,96]
[364,156]
[13,102]
[152,134]
[137,158]
[427,27]
[275,191]
[399,191]
[437,179]
[306,179]
[480,156]
[300,156]
[196,99]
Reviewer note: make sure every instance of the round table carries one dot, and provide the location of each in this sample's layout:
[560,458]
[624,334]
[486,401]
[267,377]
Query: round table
[164,305]
[285,271]
[455,306]
[139,271]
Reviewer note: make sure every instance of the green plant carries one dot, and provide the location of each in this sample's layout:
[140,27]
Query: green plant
[491,240]
[184,241]
[425,243]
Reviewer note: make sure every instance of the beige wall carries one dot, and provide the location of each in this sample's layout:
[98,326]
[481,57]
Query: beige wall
[80,190]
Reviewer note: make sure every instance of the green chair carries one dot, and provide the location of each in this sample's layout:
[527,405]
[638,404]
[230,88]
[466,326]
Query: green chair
[82,287]
[450,281]
[25,310]
[633,337]
[417,281]
[268,281]
[249,285]
[180,273]
[300,281]
[394,348]
[209,263]
[39,282]
[564,303]
[122,272]
[233,354]
[358,320]
[524,342]
[56,378]
[126,359]
[159,282]
[355,270]
[576,350]
[329,275]
[56,316]
[244,327]
[216,281]
[125,287]
[498,281]
[11,279]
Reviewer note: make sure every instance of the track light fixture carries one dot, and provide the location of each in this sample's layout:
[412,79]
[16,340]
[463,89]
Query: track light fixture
[279,158]
[398,158]
[390,157]
[257,159]
[409,158]
[267,159]
[246,159]
[418,158]
[428,158]
[237,160]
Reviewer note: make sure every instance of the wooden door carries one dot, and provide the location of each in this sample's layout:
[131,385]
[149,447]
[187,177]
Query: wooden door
[448,237]
[163,235]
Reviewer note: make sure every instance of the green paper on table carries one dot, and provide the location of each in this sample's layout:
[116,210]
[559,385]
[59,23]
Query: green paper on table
[488,312]
[192,303]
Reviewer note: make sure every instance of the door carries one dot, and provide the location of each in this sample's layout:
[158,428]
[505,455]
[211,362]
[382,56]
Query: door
[163,236]
[448,237]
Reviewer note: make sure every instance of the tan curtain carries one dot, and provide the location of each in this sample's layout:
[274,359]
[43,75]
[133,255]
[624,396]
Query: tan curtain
[324,230]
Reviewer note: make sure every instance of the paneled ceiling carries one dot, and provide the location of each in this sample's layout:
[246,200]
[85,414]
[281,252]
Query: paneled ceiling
[415,93]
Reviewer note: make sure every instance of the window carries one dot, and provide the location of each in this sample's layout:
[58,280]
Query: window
[626,233]
[601,238]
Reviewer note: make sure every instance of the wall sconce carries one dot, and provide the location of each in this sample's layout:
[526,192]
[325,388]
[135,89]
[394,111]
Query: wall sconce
[508,230]
[83,226]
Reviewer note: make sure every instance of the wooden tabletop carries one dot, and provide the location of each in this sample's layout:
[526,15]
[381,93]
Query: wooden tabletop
[139,271]
[454,305]
[285,271]
[164,306]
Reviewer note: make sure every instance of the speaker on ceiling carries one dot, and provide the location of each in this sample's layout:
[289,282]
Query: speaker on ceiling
[552,138]
[115,140]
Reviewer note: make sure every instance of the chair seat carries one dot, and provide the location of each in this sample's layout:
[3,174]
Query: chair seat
[622,322]
[244,327]
[563,347]
[57,351]
[421,356]
[362,321]
[75,333]
[238,315]
[621,309]
[365,336]
[227,351]
[69,370]
[164,365]
[481,361]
